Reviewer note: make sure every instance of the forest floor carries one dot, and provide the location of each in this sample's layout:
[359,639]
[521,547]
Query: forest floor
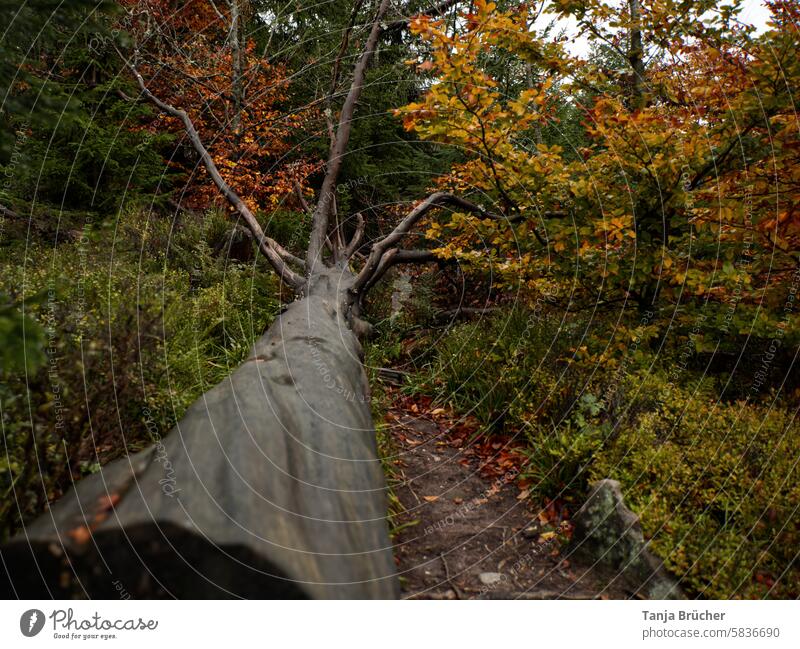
[469,528]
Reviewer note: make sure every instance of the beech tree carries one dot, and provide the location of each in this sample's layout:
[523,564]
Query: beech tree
[271,484]
[669,206]
[203,58]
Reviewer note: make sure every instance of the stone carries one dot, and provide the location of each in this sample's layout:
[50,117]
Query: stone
[608,535]
[531,532]
[490,578]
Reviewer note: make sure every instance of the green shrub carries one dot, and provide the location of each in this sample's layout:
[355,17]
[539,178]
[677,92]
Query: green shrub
[132,335]
[488,368]
[559,457]
[716,486]
[715,482]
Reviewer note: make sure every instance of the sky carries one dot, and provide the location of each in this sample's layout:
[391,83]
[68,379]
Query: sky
[754,12]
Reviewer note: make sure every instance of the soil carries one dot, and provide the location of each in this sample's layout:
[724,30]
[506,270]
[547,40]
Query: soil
[469,529]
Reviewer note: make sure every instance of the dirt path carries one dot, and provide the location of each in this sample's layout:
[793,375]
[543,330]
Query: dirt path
[467,530]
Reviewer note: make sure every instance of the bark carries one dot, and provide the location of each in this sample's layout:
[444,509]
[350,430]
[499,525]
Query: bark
[269,486]
[341,139]
[236,71]
[636,56]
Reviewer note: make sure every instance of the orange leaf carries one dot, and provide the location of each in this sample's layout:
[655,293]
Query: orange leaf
[80,534]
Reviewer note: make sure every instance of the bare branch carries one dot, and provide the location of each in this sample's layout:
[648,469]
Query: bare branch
[273,251]
[298,191]
[288,256]
[398,256]
[418,257]
[323,208]
[125,97]
[217,11]
[382,247]
[384,263]
[337,64]
[355,240]
[338,241]
[434,200]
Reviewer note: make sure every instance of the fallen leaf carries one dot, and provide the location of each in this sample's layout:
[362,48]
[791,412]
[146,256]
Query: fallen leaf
[108,501]
[80,534]
[431,499]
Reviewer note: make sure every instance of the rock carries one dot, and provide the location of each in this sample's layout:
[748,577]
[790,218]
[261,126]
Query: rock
[448,594]
[490,578]
[400,294]
[608,535]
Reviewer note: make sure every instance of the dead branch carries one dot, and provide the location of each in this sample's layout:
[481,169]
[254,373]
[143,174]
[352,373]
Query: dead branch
[273,251]
[418,257]
[337,64]
[355,240]
[298,191]
[385,245]
[384,263]
[434,200]
[397,256]
[322,211]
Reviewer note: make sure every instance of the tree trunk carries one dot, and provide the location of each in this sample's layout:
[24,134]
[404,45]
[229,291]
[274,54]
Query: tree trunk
[636,57]
[269,486]
[236,75]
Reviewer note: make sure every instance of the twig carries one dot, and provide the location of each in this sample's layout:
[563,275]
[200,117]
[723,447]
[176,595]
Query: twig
[274,252]
[456,589]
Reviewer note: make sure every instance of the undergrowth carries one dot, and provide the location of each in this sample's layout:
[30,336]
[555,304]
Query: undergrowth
[713,474]
[132,332]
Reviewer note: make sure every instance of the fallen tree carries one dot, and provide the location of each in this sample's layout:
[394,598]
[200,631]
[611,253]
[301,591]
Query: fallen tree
[270,485]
